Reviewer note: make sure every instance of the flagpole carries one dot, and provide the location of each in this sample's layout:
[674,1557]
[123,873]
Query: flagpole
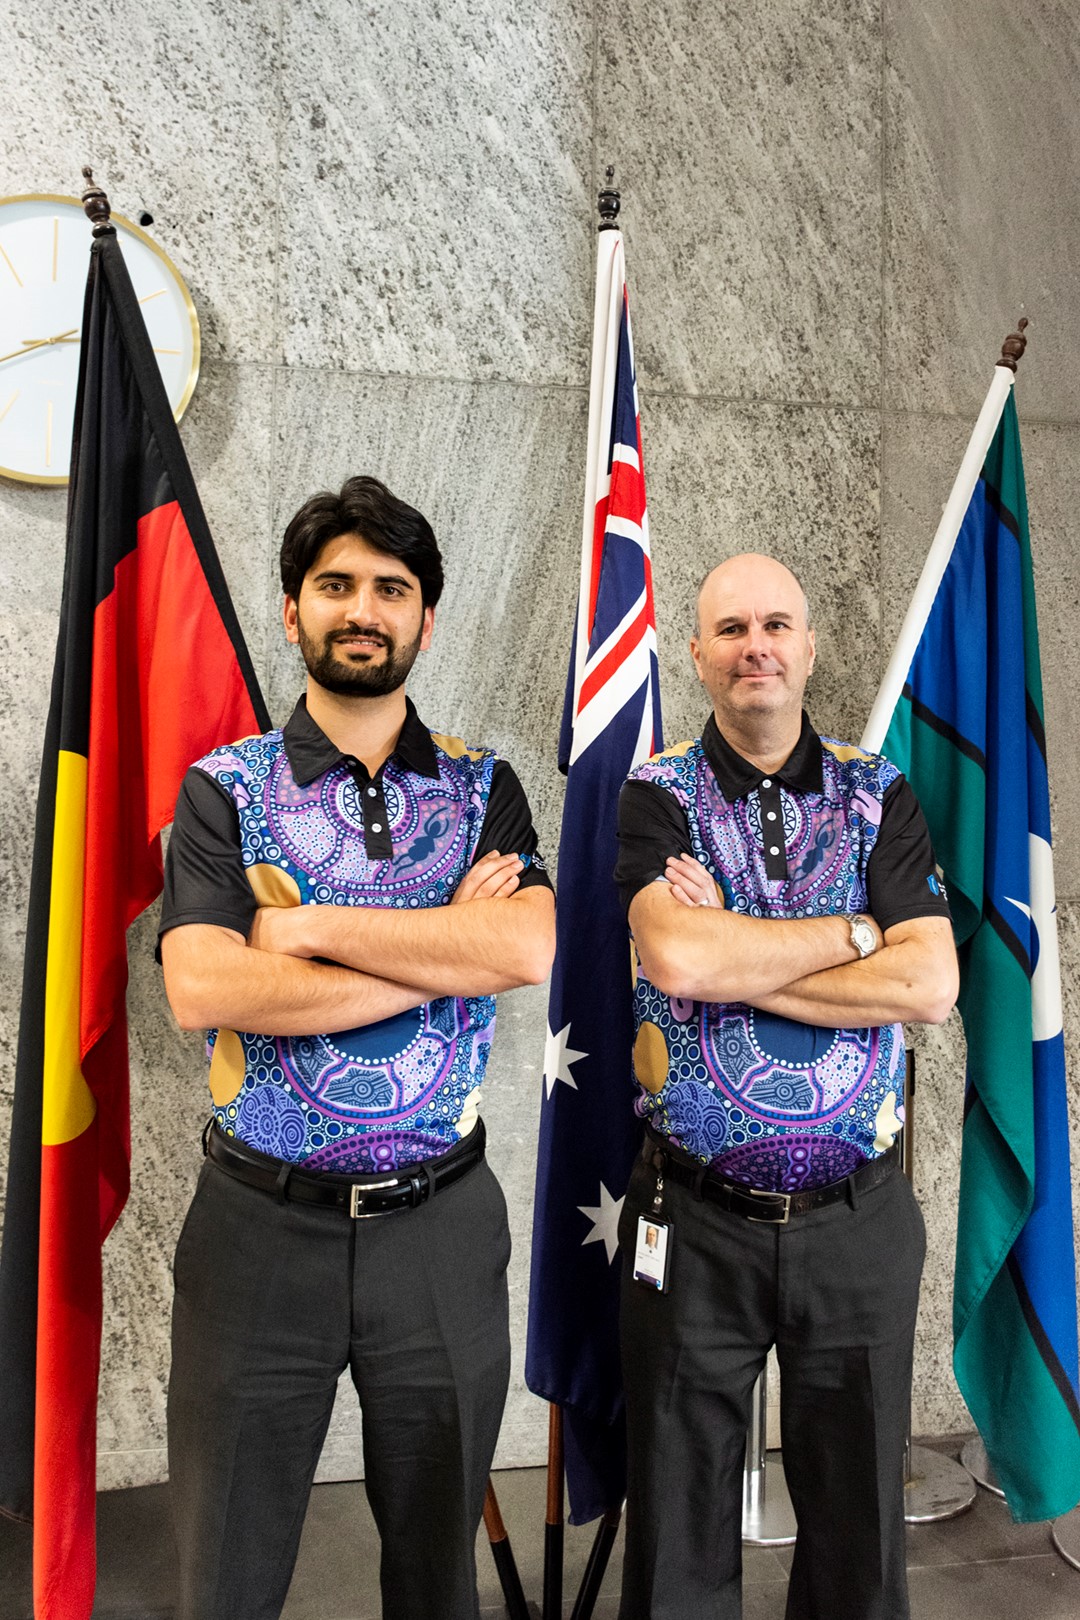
[944,539]
[609,280]
[553,1520]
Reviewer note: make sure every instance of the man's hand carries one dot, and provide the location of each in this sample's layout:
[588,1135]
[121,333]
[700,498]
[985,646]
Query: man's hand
[690,883]
[492,877]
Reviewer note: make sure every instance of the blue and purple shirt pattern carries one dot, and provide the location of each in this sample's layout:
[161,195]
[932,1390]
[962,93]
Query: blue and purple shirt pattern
[406,1088]
[764,1099]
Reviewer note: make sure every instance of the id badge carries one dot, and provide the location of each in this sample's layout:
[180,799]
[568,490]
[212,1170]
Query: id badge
[652,1252]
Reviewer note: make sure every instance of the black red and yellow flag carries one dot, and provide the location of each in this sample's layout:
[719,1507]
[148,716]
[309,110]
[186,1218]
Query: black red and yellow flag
[151,671]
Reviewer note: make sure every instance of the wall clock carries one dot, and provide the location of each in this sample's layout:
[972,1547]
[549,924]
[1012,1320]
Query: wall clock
[44,258]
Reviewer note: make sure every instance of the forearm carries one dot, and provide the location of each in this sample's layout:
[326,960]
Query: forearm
[711,955]
[854,996]
[474,949]
[216,980]
[907,981]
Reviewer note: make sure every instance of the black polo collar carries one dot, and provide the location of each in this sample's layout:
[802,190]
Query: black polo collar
[311,753]
[801,772]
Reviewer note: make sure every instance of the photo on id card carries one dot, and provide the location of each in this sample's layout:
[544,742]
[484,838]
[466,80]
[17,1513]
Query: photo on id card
[652,1252]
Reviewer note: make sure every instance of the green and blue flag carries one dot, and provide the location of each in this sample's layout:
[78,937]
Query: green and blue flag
[968,733]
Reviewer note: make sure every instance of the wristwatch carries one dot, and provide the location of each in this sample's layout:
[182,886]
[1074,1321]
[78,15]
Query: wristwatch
[862,936]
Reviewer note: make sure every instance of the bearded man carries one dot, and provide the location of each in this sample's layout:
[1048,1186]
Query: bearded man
[344,898]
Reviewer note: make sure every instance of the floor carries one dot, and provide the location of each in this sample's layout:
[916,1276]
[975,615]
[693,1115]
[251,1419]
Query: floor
[980,1566]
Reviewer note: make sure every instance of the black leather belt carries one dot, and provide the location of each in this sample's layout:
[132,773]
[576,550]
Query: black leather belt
[358,1196]
[775,1208]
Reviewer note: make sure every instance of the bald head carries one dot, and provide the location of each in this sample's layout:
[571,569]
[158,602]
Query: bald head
[746,567]
[753,650]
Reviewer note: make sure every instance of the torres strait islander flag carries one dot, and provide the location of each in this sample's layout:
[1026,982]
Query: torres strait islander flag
[589,1132]
[963,718]
[151,672]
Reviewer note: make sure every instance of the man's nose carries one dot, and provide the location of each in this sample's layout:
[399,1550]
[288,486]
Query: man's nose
[756,643]
[360,606]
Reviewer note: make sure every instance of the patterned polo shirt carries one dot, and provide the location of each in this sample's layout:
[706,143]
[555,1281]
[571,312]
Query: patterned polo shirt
[767,1100]
[287,819]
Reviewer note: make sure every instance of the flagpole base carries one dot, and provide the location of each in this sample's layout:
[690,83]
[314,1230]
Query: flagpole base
[937,1487]
[1065,1534]
[978,1464]
[768,1516]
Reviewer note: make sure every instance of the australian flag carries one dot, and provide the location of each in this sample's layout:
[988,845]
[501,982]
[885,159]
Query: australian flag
[588,1130]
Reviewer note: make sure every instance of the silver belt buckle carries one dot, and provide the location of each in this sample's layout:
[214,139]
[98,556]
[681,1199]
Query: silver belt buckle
[359,1193]
[765,1220]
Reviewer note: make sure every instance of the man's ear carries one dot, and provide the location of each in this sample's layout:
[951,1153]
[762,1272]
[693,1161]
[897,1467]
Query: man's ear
[695,653]
[427,628]
[289,615]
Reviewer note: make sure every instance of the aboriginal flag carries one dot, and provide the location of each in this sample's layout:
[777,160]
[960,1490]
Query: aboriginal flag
[151,672]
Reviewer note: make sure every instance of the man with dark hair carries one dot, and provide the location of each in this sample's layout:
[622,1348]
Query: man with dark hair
[364,506]
[343,899]
[787,917]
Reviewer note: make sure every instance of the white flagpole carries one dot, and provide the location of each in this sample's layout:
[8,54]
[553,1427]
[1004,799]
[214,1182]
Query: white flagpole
[605,353]
[937,560]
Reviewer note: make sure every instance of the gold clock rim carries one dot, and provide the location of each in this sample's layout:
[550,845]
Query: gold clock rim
[192,312]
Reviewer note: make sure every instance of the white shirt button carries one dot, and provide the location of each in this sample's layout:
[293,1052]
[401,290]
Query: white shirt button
[376,826]
[371,793]
[767,782]
[770,815]
[775,850]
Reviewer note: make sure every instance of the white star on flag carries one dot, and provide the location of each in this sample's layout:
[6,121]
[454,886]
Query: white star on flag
[559,1059]
[1046,1014]
[605,1219]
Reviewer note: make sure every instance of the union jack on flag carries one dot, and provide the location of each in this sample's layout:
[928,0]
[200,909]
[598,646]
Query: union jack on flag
[588,1130]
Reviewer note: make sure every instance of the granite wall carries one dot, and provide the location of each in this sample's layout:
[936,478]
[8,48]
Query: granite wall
[834,209]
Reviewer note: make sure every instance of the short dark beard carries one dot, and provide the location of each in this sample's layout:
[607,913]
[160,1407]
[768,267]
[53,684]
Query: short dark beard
[361,679]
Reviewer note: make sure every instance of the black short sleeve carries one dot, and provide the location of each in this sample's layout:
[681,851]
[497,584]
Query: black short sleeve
[205,880]
[901,874]
[508,827]
[652,826]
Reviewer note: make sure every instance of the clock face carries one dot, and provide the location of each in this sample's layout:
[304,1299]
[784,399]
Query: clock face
[44,260]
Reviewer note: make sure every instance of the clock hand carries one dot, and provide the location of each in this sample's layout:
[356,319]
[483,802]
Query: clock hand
[38,343]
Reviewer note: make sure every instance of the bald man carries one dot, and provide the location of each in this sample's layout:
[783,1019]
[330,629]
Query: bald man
[787,918]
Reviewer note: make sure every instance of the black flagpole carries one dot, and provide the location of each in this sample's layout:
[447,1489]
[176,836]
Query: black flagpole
[503,1554]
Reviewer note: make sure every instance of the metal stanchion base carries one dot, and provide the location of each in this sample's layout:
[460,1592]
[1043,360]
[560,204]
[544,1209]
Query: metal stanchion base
[768,1516]
[978,1464]
[1065,1534]
[938,1488]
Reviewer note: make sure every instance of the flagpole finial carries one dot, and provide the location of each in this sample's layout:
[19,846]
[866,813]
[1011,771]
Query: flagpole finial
[1014,345]
[96,206]
[608,202]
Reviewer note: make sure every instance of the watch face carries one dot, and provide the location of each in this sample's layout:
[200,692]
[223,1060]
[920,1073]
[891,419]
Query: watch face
[44,259]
